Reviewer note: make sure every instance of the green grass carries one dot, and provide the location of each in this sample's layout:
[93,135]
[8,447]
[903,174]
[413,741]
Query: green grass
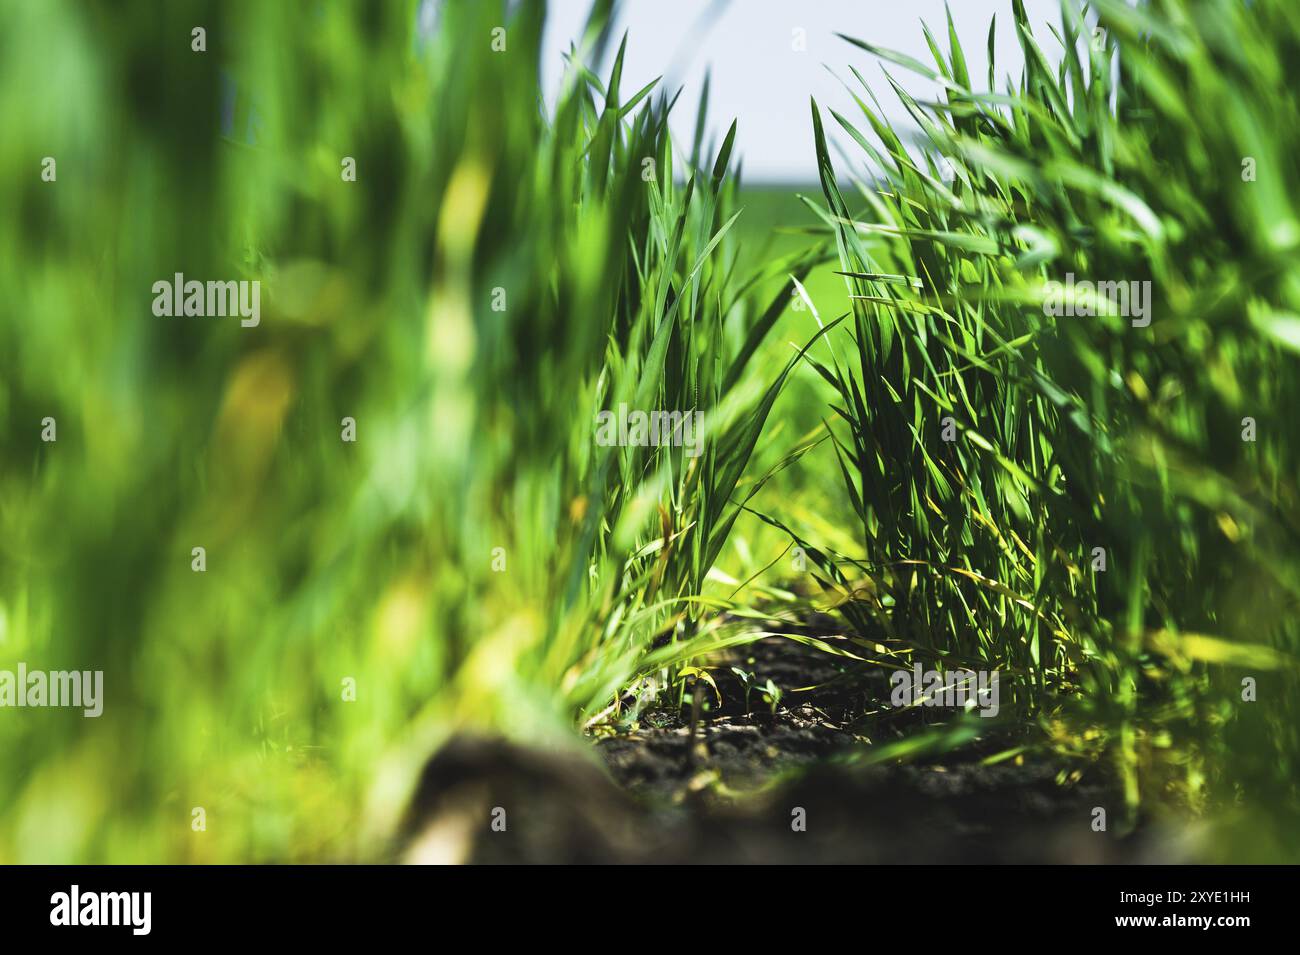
[1085,432]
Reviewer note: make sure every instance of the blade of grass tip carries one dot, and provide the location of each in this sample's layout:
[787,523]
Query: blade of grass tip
[602,146]
[901,59]
[839,209]
[701,117]
[959,72]
[724,157]
[935,52]
[640,95]
[992,53]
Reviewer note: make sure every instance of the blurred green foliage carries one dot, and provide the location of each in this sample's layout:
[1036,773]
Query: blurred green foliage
[489,282]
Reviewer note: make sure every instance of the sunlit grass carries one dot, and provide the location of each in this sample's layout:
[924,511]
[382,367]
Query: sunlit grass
[1076,433]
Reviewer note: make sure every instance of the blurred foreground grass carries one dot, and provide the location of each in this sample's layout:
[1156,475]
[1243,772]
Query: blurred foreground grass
[490,281]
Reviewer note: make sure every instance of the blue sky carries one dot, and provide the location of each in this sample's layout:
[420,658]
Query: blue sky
[759,78]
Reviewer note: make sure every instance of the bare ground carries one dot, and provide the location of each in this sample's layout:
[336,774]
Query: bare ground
[752,783]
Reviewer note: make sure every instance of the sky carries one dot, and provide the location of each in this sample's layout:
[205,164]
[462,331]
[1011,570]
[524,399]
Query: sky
[760,78]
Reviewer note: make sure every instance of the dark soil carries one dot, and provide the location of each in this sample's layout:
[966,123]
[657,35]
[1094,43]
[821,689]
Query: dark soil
[750,782]
[742,742]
